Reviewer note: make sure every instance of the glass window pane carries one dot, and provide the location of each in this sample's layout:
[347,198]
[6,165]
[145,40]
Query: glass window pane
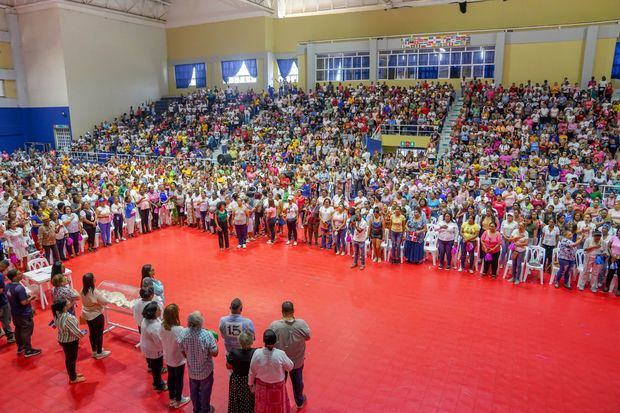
[466,71]
[347,62]
[444,58]
[455,58]
[393,60]
[365,61]
[402,60]
[391,73]
[423,59]
[489,56]
[455,72]
[478,71]
[479,56]
[411,72]
[320,75]
[400,73]
[412,59]
[337,62]
[466,58]
[444,72]
[320,63]
[433,59]
[382,73]
[365,74]
[489,71]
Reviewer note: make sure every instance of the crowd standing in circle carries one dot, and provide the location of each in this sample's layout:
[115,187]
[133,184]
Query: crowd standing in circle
[530,178]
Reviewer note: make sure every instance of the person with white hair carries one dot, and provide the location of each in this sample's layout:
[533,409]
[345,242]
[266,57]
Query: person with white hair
[199,347]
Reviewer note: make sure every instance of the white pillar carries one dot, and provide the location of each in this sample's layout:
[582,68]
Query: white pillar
[589,52]
[16,55]
[500,46]
[268,78]
[374,58]
[310,66]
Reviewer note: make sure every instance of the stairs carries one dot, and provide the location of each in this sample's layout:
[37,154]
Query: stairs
[444,139]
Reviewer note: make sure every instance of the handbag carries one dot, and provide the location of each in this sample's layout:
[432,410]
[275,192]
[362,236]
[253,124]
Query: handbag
[69,241]
[488,257]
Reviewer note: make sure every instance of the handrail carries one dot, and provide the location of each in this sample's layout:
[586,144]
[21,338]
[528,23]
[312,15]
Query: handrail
[409,130]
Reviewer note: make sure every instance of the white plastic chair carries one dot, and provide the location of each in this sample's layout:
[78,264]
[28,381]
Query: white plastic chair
[555,266]
[386,244]
[37,263]
[430,245]
[580,263]
[534,260]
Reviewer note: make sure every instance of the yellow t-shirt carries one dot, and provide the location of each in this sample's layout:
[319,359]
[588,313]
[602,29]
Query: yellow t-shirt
[398,223]
[470,232]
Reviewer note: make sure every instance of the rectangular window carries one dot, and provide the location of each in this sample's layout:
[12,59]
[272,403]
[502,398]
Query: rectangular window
[615,68]
[2,90]
[441,63]
[190,75]
[338,67]
[239,71]
[288,68]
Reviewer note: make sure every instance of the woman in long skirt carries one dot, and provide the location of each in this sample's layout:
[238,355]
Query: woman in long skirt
[414,242]
[240,398]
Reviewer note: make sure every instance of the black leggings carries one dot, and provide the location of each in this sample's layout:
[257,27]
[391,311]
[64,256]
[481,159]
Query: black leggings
[156,367]
[175,382]
[271,224]
[95,328]
[92,233]
[610,277]
[71,354]
[222,236]
[144,217]
[118,226]
[292,230]
[493,264]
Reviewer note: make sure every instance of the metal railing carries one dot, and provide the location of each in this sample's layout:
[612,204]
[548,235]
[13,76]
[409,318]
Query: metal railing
[103,157]
[408,130]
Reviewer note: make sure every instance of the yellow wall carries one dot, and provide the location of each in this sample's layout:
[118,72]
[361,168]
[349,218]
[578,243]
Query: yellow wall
[10,89]
[6,62]
[604,57]
[523,62]
[395,140]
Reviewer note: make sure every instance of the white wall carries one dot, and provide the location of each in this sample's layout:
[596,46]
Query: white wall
[44,62]
[110,65]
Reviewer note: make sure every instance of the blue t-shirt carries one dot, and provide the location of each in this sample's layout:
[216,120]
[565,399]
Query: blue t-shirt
[231,326]
[129,209]
[16,293]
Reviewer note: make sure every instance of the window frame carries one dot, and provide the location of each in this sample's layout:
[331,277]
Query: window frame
[238,79]
[342,66]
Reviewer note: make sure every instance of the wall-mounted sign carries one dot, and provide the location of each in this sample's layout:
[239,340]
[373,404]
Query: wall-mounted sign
[444,40]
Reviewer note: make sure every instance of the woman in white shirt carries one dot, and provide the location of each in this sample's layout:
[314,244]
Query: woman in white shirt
[93,304]
[549,240]
[117,211]
[521,239]
[151,345]
[104,218]
[171,328]
[71,221]
[507,228]
[447,232]
[292,212]
[326,213]
[339,224]
[267,376]
[240,213]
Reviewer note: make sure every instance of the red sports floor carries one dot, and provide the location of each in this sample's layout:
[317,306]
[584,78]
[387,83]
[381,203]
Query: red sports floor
[389,338]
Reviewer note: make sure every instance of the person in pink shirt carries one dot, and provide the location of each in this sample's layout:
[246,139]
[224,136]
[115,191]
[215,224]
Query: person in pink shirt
[491,245]
[613,247]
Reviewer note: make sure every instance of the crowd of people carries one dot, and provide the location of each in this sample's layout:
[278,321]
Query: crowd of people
[531,172]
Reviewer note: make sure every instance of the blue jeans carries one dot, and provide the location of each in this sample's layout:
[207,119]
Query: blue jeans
[397,238]
[297,380]
[445,252]
[242,233]
[564,271]
[105,233]
[516,265]
[359,252]
[200,393]
[340,240]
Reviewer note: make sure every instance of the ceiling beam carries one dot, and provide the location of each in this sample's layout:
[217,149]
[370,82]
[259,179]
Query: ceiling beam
[265,5]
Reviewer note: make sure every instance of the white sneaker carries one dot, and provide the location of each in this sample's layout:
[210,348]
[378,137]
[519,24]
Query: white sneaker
[244,246]
[239,246]
[269,242]
[295,243]
[103,354]
[184,400]
[288,242]
[123,239]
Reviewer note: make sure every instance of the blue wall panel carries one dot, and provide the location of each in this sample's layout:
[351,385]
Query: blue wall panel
[21,125]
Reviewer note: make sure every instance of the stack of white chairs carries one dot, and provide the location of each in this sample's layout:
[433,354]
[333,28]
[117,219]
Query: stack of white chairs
[555,266]
[534,260]
[386,244]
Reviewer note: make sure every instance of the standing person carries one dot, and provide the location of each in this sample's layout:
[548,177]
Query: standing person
[267,377]
[69,335]
[291,213]
[339,225]
[144,207]
[446,234]
[613,246]
[89,223]
[469,233]
[130,211]
[199,347]
[148,271]
[232,325]
[21,311]
[71,221]
[521,239]
[92,311]
[325,216]
[221,225]
[150,344]
[61,236]
[566,257]
[595,251]
[240,397]
[117,219]
[414,242]
[292,335]
[506,229]
[272,219]
[62,289]
[549,240]
[47,238]
[360,235]
[169,335]
[16,245]
[491,243]
[376,233]
[240,215]
[397,227]
[5,309]
[104,220]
